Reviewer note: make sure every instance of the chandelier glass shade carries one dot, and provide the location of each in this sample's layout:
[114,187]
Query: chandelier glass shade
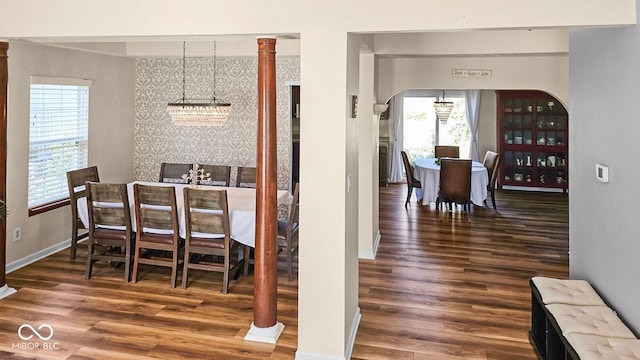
[195,112]
[443,108]
[198,112]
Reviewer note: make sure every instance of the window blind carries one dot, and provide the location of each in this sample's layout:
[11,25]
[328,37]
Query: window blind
[58,136]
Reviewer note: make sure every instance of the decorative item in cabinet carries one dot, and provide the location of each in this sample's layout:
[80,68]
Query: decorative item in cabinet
[533,139]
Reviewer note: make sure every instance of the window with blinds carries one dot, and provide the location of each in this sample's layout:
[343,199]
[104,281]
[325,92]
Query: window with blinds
[58,136]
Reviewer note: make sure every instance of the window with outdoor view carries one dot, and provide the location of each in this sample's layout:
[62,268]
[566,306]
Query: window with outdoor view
[58,136]
[422,131]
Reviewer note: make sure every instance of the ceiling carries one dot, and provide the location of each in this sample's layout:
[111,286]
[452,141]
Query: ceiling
[459,43]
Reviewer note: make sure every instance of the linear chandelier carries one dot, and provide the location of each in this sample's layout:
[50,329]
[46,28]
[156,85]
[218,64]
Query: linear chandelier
[198,112]
[443,108]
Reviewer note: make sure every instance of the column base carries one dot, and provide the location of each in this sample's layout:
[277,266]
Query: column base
[6,291]
[266,335]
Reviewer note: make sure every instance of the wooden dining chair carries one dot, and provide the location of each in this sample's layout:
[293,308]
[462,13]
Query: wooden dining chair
[109,226]
[76,180]
[492,162]
[443,151]
[172,172]
[455,183]
[246,177]
[207,212]
[412,182]
[288,233]
[157,228]
[219,175]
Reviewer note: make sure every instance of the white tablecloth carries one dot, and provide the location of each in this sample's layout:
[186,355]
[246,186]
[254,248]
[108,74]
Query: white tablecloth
[241,203]
[428,172]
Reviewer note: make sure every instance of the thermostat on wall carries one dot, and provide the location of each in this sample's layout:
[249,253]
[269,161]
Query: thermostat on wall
[602,173]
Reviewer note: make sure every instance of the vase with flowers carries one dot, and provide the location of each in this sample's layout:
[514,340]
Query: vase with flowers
[194,177]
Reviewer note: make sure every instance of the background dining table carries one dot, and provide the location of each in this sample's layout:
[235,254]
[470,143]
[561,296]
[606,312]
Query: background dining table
[428,172]
[241,203]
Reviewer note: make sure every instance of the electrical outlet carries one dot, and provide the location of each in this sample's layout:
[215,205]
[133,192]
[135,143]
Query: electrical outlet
[17,234]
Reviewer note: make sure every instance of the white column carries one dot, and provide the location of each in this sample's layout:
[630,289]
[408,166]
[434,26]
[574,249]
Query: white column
[368,133]
[327,296]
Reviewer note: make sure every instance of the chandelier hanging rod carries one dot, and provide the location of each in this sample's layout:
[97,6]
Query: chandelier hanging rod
[198,112]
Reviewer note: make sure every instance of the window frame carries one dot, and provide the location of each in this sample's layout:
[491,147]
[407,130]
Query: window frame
[436,94]
[50,204]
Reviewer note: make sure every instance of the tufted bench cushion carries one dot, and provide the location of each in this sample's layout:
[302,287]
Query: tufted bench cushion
[571,292]
[593,320]
[593,347]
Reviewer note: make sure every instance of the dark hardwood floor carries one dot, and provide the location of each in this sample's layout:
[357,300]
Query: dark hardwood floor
[447,286]
[442,287]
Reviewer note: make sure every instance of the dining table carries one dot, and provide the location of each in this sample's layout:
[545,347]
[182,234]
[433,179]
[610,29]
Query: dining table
[241,203]
[428,172]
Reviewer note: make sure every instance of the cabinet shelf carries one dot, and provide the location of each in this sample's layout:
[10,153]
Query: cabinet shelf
[532,139]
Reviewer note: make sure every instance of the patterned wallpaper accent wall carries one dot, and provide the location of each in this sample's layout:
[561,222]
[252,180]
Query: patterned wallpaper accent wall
[157,139]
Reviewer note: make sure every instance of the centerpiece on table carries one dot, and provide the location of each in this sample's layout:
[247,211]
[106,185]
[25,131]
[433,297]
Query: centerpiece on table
[438,161]
[195,176]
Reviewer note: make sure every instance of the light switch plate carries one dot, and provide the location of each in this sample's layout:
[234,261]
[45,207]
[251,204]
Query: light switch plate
[602,173]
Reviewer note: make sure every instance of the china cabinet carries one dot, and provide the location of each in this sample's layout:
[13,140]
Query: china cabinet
[533,138]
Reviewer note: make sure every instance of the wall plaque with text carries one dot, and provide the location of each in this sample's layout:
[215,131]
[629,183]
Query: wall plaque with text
[471,73]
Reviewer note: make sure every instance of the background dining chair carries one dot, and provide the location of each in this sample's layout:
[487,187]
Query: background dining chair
[172,172]
[412,182]
[443,151]
[76,180]
[492,162]
[455,183]
[219,175]
[246,177]
[109,225]
[206,211]
[156,211]
[288,233]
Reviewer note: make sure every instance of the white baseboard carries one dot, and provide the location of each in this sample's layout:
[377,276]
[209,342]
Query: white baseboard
[355,323]
[376,244]
[5,291]
[301,355]
[38,255]
[371,255]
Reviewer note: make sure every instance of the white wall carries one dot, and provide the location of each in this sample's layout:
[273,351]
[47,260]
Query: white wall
[487,127]
[111,118]
[69,18]
[352,311]
[603,217]
[549,73]
[465,43]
